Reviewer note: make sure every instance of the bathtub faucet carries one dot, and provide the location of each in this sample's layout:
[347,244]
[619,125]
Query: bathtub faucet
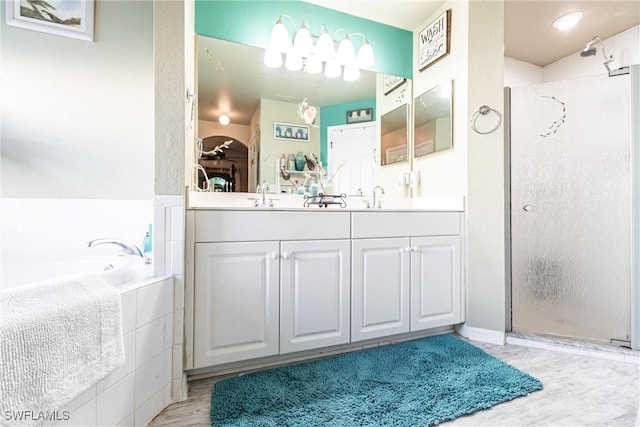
[129,248]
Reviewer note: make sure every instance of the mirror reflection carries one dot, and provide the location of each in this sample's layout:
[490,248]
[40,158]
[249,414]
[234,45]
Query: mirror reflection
[432,120]
[233,81]
[393,136]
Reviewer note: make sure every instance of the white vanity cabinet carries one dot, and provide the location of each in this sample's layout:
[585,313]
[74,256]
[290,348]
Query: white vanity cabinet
[405,284]
[314,294]
[268,283]
[436,289]
[380,288]
[287,284]
[236,301]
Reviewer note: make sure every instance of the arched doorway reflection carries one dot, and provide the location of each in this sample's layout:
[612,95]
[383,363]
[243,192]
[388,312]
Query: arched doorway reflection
[226,169]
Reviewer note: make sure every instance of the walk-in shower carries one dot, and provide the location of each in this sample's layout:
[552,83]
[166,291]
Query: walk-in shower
[574,181]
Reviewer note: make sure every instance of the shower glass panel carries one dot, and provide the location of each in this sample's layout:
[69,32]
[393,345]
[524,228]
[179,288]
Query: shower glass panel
[570,204]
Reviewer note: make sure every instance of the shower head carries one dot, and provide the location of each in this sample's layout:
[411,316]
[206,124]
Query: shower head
[590,50]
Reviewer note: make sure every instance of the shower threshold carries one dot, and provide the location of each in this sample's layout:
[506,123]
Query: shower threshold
[573,345]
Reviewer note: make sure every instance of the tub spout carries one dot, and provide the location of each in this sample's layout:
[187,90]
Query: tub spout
[129,248]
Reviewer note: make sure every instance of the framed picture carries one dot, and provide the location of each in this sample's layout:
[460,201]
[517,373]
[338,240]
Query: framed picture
[69,18]
[291,132]
[391,83]
[360,115]
[434,41]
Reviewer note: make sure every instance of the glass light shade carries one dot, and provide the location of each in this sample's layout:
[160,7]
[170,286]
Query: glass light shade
[223,119]
[346,53]
[365,56]
[302,42]
[293,61]
[313,65]
[567,21]
[280,39]
[332,69]
[351,72]
[272,58]
[324,45]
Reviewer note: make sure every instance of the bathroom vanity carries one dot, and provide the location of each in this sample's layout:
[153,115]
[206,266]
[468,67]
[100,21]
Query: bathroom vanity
[269,284]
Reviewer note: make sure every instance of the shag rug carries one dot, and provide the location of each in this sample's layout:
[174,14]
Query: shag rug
[414,383]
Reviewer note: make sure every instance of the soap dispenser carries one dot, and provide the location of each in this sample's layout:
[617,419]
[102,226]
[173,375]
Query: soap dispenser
[146,246]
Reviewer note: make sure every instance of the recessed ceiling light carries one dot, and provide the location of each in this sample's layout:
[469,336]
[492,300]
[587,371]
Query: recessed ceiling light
[223,119]
[567,21]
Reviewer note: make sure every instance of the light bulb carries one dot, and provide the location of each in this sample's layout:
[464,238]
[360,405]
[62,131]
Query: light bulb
[332,69]
[302,42]
[293,61]
[313,65]
[366,57]
[280,40]
[346,53]
[351,72]
[223,119]
[324,45]
[272,58]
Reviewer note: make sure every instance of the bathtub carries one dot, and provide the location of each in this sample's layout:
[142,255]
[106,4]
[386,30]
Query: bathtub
[136,392]
[115,270]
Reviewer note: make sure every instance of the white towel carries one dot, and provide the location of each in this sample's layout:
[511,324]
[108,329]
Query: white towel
[57,338]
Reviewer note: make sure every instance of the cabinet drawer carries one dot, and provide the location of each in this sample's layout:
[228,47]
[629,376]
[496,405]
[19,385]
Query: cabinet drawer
[398,224]
[243,226]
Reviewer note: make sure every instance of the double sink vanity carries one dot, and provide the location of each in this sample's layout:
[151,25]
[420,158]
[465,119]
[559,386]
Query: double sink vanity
[266,285]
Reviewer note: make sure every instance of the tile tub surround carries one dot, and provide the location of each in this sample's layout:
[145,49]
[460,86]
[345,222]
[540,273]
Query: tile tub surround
[136,392]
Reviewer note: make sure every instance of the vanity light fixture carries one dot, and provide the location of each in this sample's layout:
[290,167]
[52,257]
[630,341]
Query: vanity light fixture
[301,54]
[567,21]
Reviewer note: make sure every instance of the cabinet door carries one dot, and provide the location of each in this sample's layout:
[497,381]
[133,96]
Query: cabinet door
[314,294]
[380,288]
[236,302]
[435,282]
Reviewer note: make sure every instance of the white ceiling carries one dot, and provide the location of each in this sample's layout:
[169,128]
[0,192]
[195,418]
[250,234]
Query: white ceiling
[236,86]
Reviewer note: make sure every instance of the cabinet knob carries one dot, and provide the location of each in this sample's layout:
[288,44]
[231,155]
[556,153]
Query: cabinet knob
[407,249]
[285,255]
[415,249]
[274,255]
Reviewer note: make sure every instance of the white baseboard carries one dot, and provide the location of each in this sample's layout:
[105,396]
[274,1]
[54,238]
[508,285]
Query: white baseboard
[482,335]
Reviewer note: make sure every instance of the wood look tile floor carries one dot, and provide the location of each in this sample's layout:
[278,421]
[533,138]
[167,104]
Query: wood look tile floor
[578,391]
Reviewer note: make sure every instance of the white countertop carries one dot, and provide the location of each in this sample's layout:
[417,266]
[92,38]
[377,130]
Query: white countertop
[246,201]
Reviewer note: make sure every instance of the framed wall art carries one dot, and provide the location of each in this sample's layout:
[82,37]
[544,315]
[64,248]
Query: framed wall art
[69,18]
[360,115]
[391,83]
[290,132]
[434,41]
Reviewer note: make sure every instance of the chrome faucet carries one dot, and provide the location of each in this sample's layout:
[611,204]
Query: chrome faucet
[129,248]
[377,187]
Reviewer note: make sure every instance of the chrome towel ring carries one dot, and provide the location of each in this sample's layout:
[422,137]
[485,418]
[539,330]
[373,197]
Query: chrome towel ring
[483,111]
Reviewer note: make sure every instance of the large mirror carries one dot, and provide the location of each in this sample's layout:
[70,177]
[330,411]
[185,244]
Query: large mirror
[393,136]
[432,120]
[232,80]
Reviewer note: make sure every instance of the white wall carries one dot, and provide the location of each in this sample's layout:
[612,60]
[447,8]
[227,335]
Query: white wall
[270,148]
[519,73]
[445,173]
[77,116]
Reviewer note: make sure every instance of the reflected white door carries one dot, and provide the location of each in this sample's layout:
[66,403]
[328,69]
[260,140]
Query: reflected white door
[570,208]
[352,149]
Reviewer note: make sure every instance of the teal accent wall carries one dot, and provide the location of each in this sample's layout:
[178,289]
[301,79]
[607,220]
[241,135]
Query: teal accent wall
[335,115]
[250,22]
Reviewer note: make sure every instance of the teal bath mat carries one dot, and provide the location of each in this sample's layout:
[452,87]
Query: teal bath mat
[415,383]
